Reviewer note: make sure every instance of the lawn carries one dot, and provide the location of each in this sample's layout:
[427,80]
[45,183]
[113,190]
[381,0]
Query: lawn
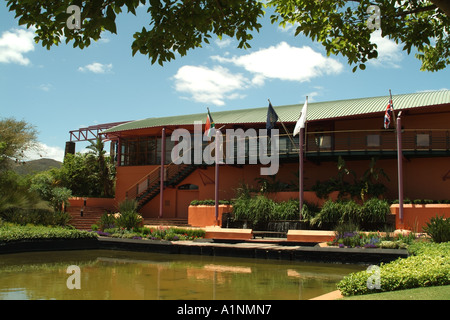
[430,293]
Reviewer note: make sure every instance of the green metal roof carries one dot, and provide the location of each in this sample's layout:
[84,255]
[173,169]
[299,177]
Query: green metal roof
[290,113]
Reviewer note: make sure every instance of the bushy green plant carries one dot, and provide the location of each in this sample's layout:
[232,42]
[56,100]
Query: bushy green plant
[429,265]
[128,218]
[438,228]
[374,211]
[209,202]
[107,221]
[331,213]
[46,217]
[286,210]
[14,232]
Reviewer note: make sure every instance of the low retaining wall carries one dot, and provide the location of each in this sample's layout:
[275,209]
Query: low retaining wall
[416,216]
[205,216]
[261,251]
[310,235]
[109,204]
[228,234]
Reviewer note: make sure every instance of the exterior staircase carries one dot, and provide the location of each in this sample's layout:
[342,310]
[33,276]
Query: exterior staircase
[91,215]
[149,187]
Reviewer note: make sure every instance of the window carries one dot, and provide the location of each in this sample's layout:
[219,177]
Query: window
[323,142]
[188,187]
[423,140]
[373,140]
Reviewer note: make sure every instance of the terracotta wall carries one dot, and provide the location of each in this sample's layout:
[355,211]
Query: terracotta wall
[416,216]
[423,179]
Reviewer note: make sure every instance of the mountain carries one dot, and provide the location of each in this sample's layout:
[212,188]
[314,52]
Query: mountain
[34,166]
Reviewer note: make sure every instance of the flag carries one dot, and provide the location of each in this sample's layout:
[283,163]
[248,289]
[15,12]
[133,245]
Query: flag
[388,113]
[210,127]
[301,122]
[272,118]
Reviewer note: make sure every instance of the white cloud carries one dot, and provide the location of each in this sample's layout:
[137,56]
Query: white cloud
[284,62]
[223,43]
[46,87]
[97,67]
[389,53]
[14,44]
[44,151]
[209,85]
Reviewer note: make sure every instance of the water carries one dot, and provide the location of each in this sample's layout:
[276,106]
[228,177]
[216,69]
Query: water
[111,275]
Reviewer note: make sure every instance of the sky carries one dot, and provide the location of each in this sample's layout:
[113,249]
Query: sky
[65,88]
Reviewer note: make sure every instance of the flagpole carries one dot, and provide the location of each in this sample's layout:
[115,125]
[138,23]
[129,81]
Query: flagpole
[400,167]
[300,172]
[301,161]
[292,140]
[216,187]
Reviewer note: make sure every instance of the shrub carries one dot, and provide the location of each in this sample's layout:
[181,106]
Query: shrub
[128,218]
[107,221]
[209,202]
[23,216]
[438,228]
[370,215]
[374,211]
[330,213]
[429,265]
[13,232]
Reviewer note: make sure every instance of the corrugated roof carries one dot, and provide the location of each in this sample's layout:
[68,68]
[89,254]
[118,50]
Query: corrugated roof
[290,113]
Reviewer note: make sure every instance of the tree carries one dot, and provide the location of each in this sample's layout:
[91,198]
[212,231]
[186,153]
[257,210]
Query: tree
[15,138]
[341,27]
[105,176]
[177,26]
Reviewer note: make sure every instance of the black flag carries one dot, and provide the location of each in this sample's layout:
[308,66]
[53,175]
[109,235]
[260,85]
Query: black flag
[272,118]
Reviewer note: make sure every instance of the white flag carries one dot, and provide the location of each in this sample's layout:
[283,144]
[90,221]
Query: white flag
[301,122]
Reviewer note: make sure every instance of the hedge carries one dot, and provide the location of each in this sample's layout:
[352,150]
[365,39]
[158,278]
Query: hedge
[11,232]
[428,265]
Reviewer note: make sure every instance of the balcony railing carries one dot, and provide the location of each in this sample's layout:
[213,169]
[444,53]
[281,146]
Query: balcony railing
[373,141]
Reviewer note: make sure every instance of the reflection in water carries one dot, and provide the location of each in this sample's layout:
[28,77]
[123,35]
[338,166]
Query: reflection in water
[137,275]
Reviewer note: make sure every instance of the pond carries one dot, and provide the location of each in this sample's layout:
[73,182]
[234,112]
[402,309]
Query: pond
[121,275]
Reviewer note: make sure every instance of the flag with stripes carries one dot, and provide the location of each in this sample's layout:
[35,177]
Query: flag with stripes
[210,127]
[388,114]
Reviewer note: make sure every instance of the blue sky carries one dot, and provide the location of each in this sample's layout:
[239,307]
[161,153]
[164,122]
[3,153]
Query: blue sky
[64,89]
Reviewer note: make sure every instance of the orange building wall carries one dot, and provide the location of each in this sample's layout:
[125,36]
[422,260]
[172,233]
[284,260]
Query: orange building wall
[423,177]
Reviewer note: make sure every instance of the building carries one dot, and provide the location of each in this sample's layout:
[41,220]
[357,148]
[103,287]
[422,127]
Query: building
[352,129]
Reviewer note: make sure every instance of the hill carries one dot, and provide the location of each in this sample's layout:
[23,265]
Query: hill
[34,166]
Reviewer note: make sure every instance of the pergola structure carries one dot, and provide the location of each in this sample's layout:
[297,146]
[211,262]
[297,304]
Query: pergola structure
[92,132]
[88,134]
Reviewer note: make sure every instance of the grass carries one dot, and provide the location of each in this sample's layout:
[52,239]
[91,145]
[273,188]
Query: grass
[429,293]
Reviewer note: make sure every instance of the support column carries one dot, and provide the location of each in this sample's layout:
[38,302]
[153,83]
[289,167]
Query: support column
[161,178]
[400,167]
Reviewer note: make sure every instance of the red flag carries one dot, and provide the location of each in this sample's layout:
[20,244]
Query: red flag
[388,114]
